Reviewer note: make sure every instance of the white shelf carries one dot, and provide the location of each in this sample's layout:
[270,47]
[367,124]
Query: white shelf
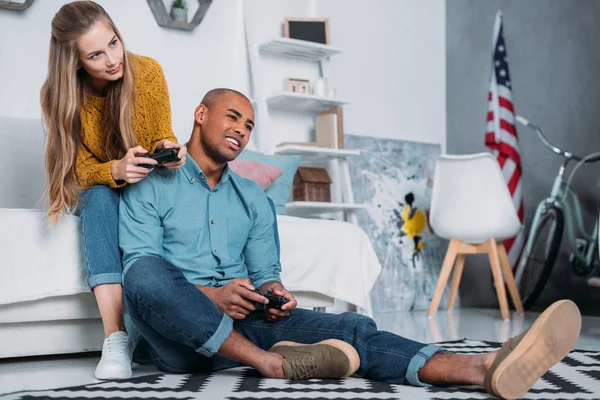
[299,49]
[302,102]
[312,151]
[318,207]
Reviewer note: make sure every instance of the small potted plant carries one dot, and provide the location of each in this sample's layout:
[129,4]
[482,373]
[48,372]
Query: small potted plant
[179,11]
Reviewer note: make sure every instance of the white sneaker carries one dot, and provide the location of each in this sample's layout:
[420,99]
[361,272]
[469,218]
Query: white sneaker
[116,357]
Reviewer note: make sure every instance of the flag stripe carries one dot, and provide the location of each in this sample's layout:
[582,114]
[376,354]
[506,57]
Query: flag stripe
[508,127]
[501,134]
[504,102]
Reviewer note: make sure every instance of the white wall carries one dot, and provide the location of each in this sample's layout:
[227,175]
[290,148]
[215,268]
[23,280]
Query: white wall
[394,68]
[194,62]
[392,71]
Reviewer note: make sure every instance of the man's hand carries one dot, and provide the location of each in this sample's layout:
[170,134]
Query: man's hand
[174,165]
[235,299]
[273,314]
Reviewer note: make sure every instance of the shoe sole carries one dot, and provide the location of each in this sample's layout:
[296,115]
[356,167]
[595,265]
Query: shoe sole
[548,341]
[348,350]
[112,376]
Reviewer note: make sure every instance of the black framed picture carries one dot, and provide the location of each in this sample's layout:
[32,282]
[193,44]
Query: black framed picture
[310,29]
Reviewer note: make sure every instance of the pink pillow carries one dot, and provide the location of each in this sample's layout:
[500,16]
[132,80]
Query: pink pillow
[260,173]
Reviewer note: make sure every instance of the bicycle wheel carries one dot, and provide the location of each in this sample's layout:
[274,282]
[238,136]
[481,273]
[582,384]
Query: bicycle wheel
[544,250]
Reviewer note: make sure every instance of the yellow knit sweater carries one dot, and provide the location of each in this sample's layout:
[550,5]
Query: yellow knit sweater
[150,121]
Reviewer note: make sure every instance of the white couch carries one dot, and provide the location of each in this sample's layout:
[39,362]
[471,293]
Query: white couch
[45,304]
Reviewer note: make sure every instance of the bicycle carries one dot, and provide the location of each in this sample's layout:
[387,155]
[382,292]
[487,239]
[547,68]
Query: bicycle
[551,215]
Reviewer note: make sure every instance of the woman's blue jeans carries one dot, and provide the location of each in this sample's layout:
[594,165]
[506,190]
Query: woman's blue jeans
[99,214]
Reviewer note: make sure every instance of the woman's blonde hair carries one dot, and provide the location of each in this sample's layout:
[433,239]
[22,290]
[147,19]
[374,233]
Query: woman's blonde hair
[61,98]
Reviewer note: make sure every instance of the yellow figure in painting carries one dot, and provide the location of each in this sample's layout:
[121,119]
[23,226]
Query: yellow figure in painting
[413,223]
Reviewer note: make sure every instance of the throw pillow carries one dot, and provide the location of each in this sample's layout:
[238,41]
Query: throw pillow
[260,173]
[279,191]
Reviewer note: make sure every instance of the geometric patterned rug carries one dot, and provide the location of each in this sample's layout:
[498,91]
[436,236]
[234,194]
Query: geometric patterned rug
[576,377]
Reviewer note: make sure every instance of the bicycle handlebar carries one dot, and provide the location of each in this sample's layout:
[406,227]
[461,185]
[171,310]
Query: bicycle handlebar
[524,121]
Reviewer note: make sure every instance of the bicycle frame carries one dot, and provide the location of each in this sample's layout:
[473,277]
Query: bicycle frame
[569,202]
[564,198]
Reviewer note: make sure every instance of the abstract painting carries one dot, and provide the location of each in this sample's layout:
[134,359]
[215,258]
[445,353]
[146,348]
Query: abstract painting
[394,178]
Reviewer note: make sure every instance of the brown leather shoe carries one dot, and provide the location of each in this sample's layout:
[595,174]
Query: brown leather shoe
[327,359]
[523,359]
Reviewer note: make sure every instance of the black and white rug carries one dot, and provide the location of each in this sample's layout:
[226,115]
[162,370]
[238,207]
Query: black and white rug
[576,377]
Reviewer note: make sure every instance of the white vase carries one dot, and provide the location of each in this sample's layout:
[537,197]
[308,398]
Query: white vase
[320,87]
[179,14]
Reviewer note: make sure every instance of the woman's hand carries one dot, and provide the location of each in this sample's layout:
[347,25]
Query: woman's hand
[174,165]
[127,169]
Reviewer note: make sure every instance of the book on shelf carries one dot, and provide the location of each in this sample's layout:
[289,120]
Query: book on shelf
[309,144]
[326,131]
[337,111]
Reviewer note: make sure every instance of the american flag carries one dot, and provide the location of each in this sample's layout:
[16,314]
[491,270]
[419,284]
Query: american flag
[501,134]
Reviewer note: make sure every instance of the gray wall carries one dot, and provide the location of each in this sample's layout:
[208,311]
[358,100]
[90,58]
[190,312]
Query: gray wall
[554,60]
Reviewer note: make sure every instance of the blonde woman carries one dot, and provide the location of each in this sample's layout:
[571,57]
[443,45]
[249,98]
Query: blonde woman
[103,109]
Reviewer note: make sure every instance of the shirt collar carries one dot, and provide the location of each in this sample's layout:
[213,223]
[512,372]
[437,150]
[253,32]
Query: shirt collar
[193,172]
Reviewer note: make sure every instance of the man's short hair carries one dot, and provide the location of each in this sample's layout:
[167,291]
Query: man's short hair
[214,95]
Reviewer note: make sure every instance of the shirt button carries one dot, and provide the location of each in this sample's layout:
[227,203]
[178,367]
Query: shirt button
[214,251]
[192,180]
[212,221]
[211,193]
[202,177]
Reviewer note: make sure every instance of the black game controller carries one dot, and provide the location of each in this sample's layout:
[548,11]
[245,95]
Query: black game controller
[275,301]
[162,156]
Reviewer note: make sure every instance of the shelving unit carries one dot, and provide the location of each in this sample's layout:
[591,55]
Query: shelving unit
[14,6]
[298,49]
[163,19]
[302,102]
[312,151]
[336,159]
[317,207]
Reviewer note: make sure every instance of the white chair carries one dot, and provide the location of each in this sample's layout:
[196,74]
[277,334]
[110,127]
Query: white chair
[471,206]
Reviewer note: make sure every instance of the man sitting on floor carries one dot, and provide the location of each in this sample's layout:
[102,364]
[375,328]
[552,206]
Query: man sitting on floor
[197,241]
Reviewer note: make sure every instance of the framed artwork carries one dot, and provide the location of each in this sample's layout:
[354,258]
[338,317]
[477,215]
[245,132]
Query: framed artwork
[394,178]
[309,29]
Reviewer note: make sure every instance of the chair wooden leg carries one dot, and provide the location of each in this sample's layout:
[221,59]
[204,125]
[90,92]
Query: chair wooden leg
[444,275]
[497,272]
[510,279]
[458,270]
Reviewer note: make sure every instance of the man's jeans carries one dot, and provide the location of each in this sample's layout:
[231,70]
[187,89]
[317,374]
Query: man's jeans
[184,328]
[99,214]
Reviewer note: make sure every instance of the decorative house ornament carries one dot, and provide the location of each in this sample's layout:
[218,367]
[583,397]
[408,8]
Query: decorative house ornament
[312,184]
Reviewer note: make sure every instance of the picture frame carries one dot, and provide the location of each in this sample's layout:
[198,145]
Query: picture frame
[297,85]
[309,29]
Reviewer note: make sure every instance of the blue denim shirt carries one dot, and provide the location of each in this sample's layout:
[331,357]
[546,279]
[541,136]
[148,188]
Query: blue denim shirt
[212,236]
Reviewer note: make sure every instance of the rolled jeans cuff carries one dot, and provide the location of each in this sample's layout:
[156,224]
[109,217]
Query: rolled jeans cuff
[417,362]
[105,279]
[212,345]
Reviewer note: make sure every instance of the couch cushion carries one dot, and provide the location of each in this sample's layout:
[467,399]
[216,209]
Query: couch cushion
[22,179]
[39,261]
